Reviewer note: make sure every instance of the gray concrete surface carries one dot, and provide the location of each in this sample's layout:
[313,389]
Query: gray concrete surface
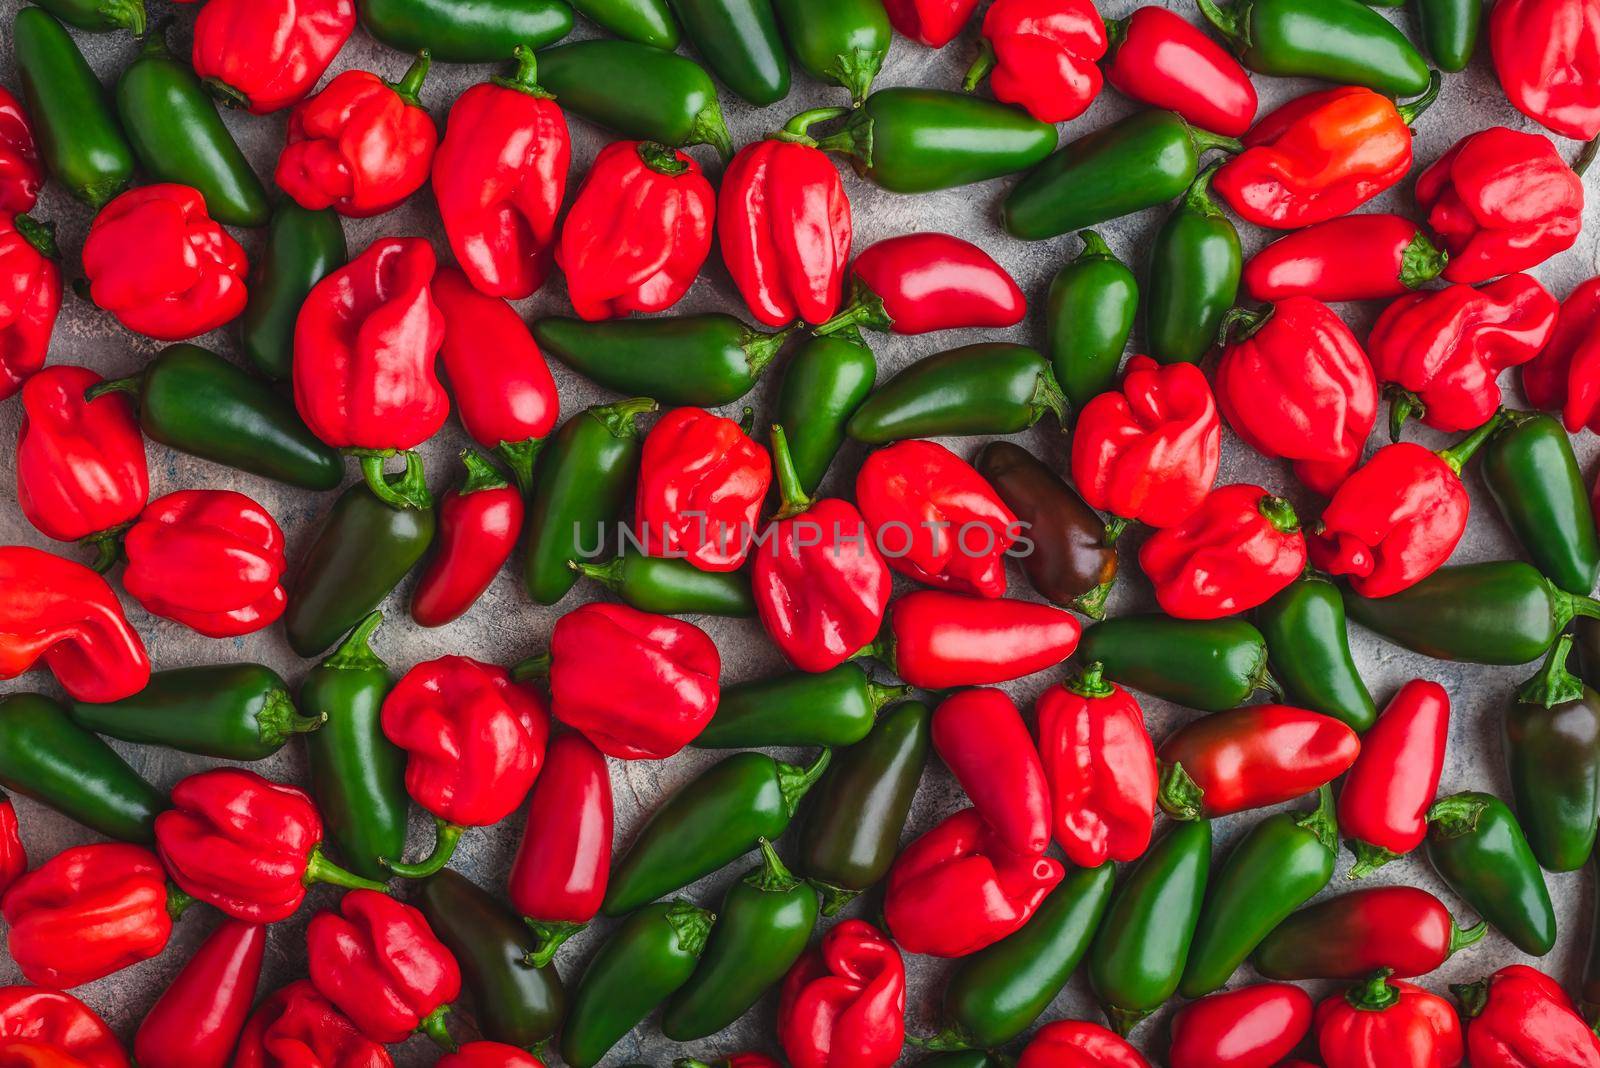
[504,626]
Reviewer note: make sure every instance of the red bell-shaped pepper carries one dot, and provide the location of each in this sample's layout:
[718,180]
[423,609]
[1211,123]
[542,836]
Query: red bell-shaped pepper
[48,1029]
[1251,757]
[1547,57]
[479,522]
[1251,1027]
[1042,55]
[1501,201]
[1160,58]
[843,1004]
[1236,552]
[1354,257]
[267,54]
[87,912]
[701,484]
[1079,1044]
[937,640]
[21,173]
[1446,348]
[210,559]
[934,23]
[246,845]
[499,178]
[1383,804]
[1565,376]
[360,146]
[196,1022]
[1149,452]
[935,519]
[1393,1024]
[13,855]
[30,297]
[380,964]
[784,228]
[980,736]
[159,264]
[1101,766]
[1519,1017]
[1397,927]
[919,283]
[490,1055]
[639,232]
[60,612]
[296,1027]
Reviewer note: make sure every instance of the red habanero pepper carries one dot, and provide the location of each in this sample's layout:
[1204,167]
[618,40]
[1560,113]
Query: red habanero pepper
[638,233]
[1149,451]
[499,178]
[1557,82]
[490,1055]
[197,1021]
[951,527]
[1446,348]
[1354,257]
[981,737]
[1236,552]
[48,1029]
[267,54]
[1393,1024]
[1500,201]
[1078,1044]
[934,23]
[245,845]
[919,283]
[479,522]
[159,264]
[13,855]
[21,174]
[59,611]
[1162,59]
[1565,376]
[701,484]
[784,227]
[296,1027]
[1383,804]
[1251,757]
[1519,1017]
[210,559]
[558,878]
[30,297]
[937,640]
[843,1004]
[87,912]
[1042,55]
[360,146]
[1250,1027]
[1353,935]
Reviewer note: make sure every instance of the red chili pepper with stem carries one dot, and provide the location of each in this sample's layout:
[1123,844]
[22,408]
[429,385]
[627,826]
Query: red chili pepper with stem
[30,295]
[13,855]
[1354,257]
[197,1021]
[1413,1028]
[49,1029]
[1042,56]
[1079,1044]
[1519,1017]
[1249,1027]
[1565,376]
[934,23]
[297,1023]
[1160,58]
[844,1002]
[919,283]
[701,483]
[1351,936]
[981,737]
[267,54]
[1383,804]
[1557,82]
[21,173]
[1251,757]
[1236,552]
[937,640]
[479,522]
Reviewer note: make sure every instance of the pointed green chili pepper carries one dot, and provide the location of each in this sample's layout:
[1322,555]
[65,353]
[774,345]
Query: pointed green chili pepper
[1552,738]
[842,41]
[824,382]
[303,247]
[1211,665]
[1340,41]
[641,92]
[1195,266]
[646,22]
[671,586]
[834,708]
[465,31]
[739,41]
[1534,479]
[1308,647]
[1478,849]
[1450,31]
[99,16]
[995,388]
[1090,312]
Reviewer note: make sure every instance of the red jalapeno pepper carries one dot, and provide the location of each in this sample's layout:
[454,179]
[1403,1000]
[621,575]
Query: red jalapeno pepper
[1042,55]
[1353,935]
[296,1027]
[981,737]
[1557,82]
[1079,1044]
[479,523]
[30,294]
[701,484]
[844,1002]
[13,855]
[1565,376]
[1237,551]
[21,173]
[197,1020]
[1519,1017]
[1251,757]
[1384,803]
[934,23]
[267,54]
[1251,1027]
[1354,257]
[1413,1028]
[936,640]
[919,283]
[1159,58]
[49,1029]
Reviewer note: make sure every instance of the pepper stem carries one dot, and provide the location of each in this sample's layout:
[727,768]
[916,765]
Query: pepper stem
[1320,821]
[1403,404]
[691,925]
[879,694]
[1279,514]
[1123,1021]
[1048,396]
[1093,603]
[319,869]
[1113,530]
[279,719]
[107,549]
[129,14]
[1091,683]
[534,667]
[1227,22]
[1461,938]
[448,836]
[1575,605]
[1586,157]
[608,574]
[410,84]
[980,67]
[154,43]
[946,1041]
[178,901]
[1422,261]
[1094,246]
[1252,320]
[1457,814]
[662,159]
[798,129]
[1369,857]
[1554,684]
[619,418]
[760,348]
[794,781]
[1376,994]
[526,79]
[1412,111]
[481,474]
[834,898]
[772,877]
[521,456]
[791,493]
[1204,141]
[548,938]
[1457,455]
[709,128]
[1180,796]
[227,95]
[1473,997]
[866,310]
[130,384]
[355,652]
[434,1026]
[408,489]
[41,235]
[1198,198]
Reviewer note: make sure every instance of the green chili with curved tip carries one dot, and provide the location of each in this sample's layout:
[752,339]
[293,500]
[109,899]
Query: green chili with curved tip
[739,41]
[1340,41]
[465,31]
[993,388]
[1195,265]
[1308,651]
[1552,740]
[671,586]
[303,247]
[1533,476]
[841,41]
[646,22]
[641,92]
[833,708]
[1211,665]
[1089,315]
[699,360]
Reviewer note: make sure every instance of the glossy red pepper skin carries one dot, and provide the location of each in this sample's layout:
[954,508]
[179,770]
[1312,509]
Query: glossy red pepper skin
[1383,804]
[1521,1018]
[1150,450]
[489,1055]
[210,559]
[59,611]
[1251,757]
[981,737]
[479,523]
[1565,376]
[934,23]
[85,913]
[1238,550]
[1250,1027]
[267,54]
[197,1021]
[1353,935]
[21,173]
[13,855]
[159,264]
[1448,347]
[1043,56]
[938,640]
[1556,83]
[936,519]
[642,257]
[1500,201]
[56,1030]
[296,1027]
[1162,59]
[30,294]
[844,1002]
[784,227]
[701,483]
[360,146]
[1393,1024]
[919,283]
[1354,257]
[1079,1044]
[639,686]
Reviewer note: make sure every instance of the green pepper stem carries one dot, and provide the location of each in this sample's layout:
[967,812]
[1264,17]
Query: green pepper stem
[41,235]
[1093,603]
[521,456]
[865,311]
[1252,320]
[1116,32]
[980,68]
[1457,455]
[834,898]
[854,139]
[129,14]
[773,876]
[226,95]
[1473,997]
[1265,680]
[1461,938]
[435,1027]
[1205,141]
[1123,1021]
[410,84]
[608,574]
[1421,262]
[130,384]
[355,652]
[791,494]
[481,474]
[761,348]
[1094,246]
[1198,198]
[534,667]
[1227,22]
[1412,111]
[1376,994]
[880,694]
[1586,157]
[1575,605]
[319,869]
[798,129]
[691,925]
[1180,796]
[548,937]
[1403,404]
[709,128]
[409,489]
[1369,858]
[1114,528]
[448,836]
[526,79]
[1279,514]
[663,159]
[747,421]
[1320,821]
[880,649]
[107,548]
[856,70]
[1554,684]
[947,1041]
[619,418]
[1048,396]
[154,43]
[1457,814]
[178,901]
[1091,683]
[794,782]
[278,719]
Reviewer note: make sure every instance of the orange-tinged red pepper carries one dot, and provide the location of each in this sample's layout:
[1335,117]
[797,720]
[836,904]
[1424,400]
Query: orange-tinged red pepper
[1565,376]
[55,1030]
[1416,1029]
[981,737]
[267,54]
[1547,57]
[1235,552]
[1519,1017]
[844,1002]
[701,484]
[296,1027]
[21,173]
[1042,55]
[30,297]
[1383,805]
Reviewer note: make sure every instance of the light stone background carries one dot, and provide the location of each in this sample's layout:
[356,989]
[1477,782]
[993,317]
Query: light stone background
[504,626]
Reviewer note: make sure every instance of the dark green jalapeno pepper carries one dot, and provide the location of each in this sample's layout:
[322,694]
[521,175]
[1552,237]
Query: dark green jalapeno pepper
[1478,849]
[1534,479]
[646,22]
[1552,738]
[851,831]
[1089,314]
[231,711]
[1450,31]
[1146,159]
[578,488]
[177,135]
[1501,612]
[834,708]
[465,31]
[1340,41]
[363,550]
[46,756]
[1195,264]
[644,961]
[99,16]
[824,382]
[1280,864]
[711,821]
[641,92]
[995,388]
[193,400]
[763,926]
[78,135]
[1211,665]
[739,41]
[1139,953]
[671,586]
[1308,650]
[512,1001]
[303,247]
[842,41]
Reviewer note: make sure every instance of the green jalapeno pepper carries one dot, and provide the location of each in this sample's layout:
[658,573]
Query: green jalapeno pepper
[1308,651]
[739,41]
[1195,265]
[1450,31]
[46,756]
[1477,847]
[641,92]
[303,247]
[465,31]
[842,41]
[646,22]
[99,16]
[824,382]
[1340,41]
[1534,479]
[1211,665]
[671,586]
[833,708]
[1552,739]
[1089,314]
[995,388]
